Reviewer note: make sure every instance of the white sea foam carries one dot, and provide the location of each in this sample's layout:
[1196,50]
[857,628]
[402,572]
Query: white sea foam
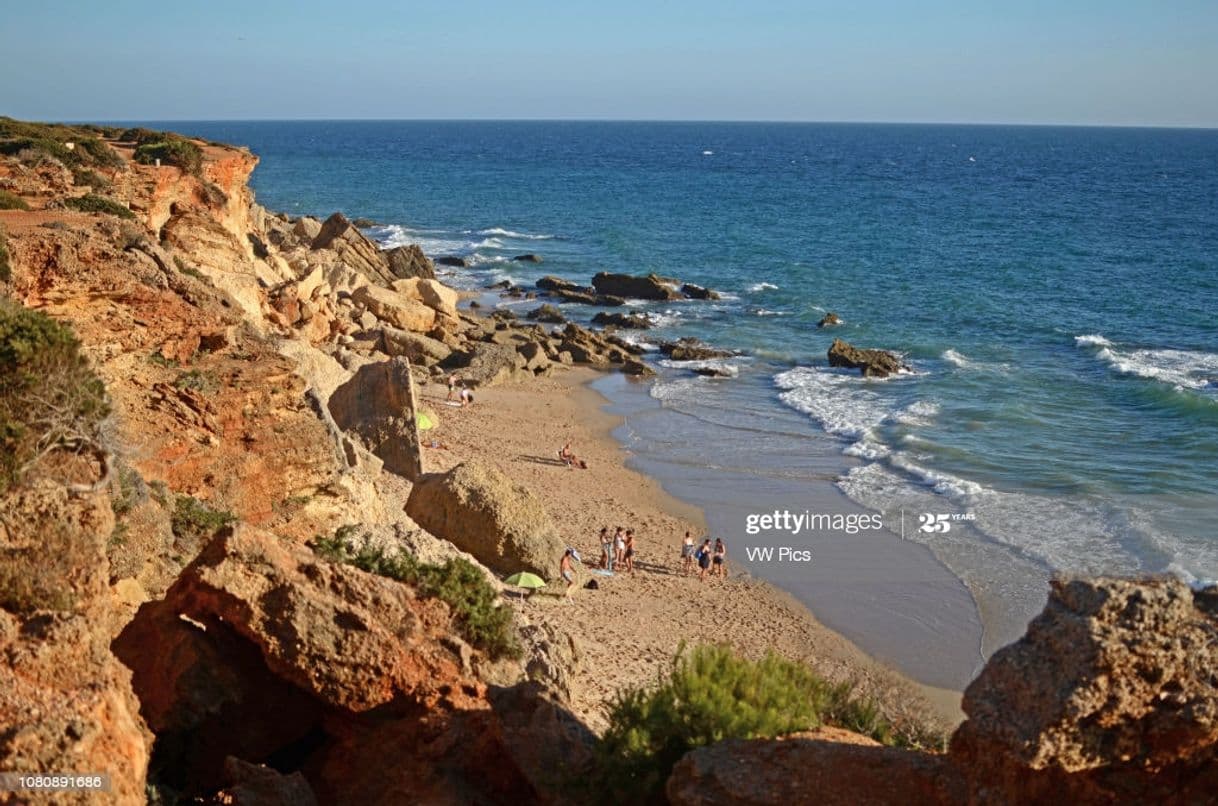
[1181,369]
[1092,339]
[517,236]
[957,359]
[755,287]
[766,312]
[843,403]
[918,413]
[431,241]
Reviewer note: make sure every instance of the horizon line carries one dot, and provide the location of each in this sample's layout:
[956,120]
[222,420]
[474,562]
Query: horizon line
[742,121]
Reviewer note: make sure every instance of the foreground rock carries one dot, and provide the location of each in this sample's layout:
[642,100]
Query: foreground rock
[376,406]
[872,363]
[263,651]
[483,512]
[824,766]
[1109,698]
[353,248]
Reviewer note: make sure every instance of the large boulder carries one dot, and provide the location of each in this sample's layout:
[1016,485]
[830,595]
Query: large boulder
[482,511]
[262,650]
[409,261]
[546,313]
[634,287]
[377,405]
[432,293]
[418,348]
[395,308]
[489,363]
[1110,697]
[872,363]
[353,248]
[552,283]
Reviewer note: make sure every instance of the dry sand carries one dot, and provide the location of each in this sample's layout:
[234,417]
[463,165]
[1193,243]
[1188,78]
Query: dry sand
[630,629]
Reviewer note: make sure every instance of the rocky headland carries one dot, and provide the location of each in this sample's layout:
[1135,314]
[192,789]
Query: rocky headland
[255,579]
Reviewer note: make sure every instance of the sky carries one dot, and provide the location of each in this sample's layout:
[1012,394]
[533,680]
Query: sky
[1117,62]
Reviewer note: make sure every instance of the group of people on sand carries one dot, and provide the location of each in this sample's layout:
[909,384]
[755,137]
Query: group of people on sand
[709,558]
[617,550]
[459,393]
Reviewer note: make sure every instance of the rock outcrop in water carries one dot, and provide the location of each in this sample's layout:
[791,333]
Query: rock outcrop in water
[829,320]
[872,363]
[632,287]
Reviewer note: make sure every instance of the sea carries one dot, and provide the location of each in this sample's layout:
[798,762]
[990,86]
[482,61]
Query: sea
[1053,290]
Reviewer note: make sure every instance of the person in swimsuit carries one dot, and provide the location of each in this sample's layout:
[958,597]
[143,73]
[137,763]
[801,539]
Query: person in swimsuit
[453,380]
[630,550]
[567,568]
[606,549]
[704,559]
[467,398]
[619,546]
[687,554]
[720,559]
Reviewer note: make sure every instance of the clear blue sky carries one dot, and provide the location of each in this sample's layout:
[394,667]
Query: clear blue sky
[1152,62]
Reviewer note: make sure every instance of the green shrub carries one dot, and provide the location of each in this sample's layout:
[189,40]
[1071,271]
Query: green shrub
[92,203]
[194,521]
[50,400]
[11,201]
[480,618]
[197,380]
[83,177]
[98,153]
[711,694]
[171,151]
[40,145]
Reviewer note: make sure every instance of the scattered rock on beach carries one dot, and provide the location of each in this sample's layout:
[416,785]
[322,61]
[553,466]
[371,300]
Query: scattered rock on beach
[635,367]
[395,308]
[829,320]
[528,258]
[872,363]
[714,372]
[353,248]
[409,261]
[552,283]
[452,260]
[636,321]
[547,313]
[482,511]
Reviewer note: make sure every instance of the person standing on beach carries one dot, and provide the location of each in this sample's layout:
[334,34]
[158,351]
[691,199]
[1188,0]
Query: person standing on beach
[453,380]
[606,549]
[630,551]
[619,546]
[687,554]
[567,569]
[704,559]
[720,559]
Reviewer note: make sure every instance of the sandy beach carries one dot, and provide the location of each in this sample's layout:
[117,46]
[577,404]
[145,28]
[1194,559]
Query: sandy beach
[630,628]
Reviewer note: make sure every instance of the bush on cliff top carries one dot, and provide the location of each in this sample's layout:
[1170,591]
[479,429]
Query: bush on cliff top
[50,139]
[92,203]
[480,618]
[711,694]
[50,400]
[175,151]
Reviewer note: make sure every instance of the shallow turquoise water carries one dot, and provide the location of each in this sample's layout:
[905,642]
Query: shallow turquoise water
[1053,289]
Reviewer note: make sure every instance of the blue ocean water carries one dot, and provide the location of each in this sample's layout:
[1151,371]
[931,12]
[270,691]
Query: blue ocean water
[1053,289]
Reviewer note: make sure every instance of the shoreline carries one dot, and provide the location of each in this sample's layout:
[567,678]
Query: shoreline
[629,629]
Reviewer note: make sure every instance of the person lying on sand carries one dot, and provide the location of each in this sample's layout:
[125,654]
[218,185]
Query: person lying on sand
[435,443]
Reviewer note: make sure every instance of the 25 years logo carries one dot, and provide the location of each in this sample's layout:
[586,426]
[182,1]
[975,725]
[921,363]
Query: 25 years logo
[941,522]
